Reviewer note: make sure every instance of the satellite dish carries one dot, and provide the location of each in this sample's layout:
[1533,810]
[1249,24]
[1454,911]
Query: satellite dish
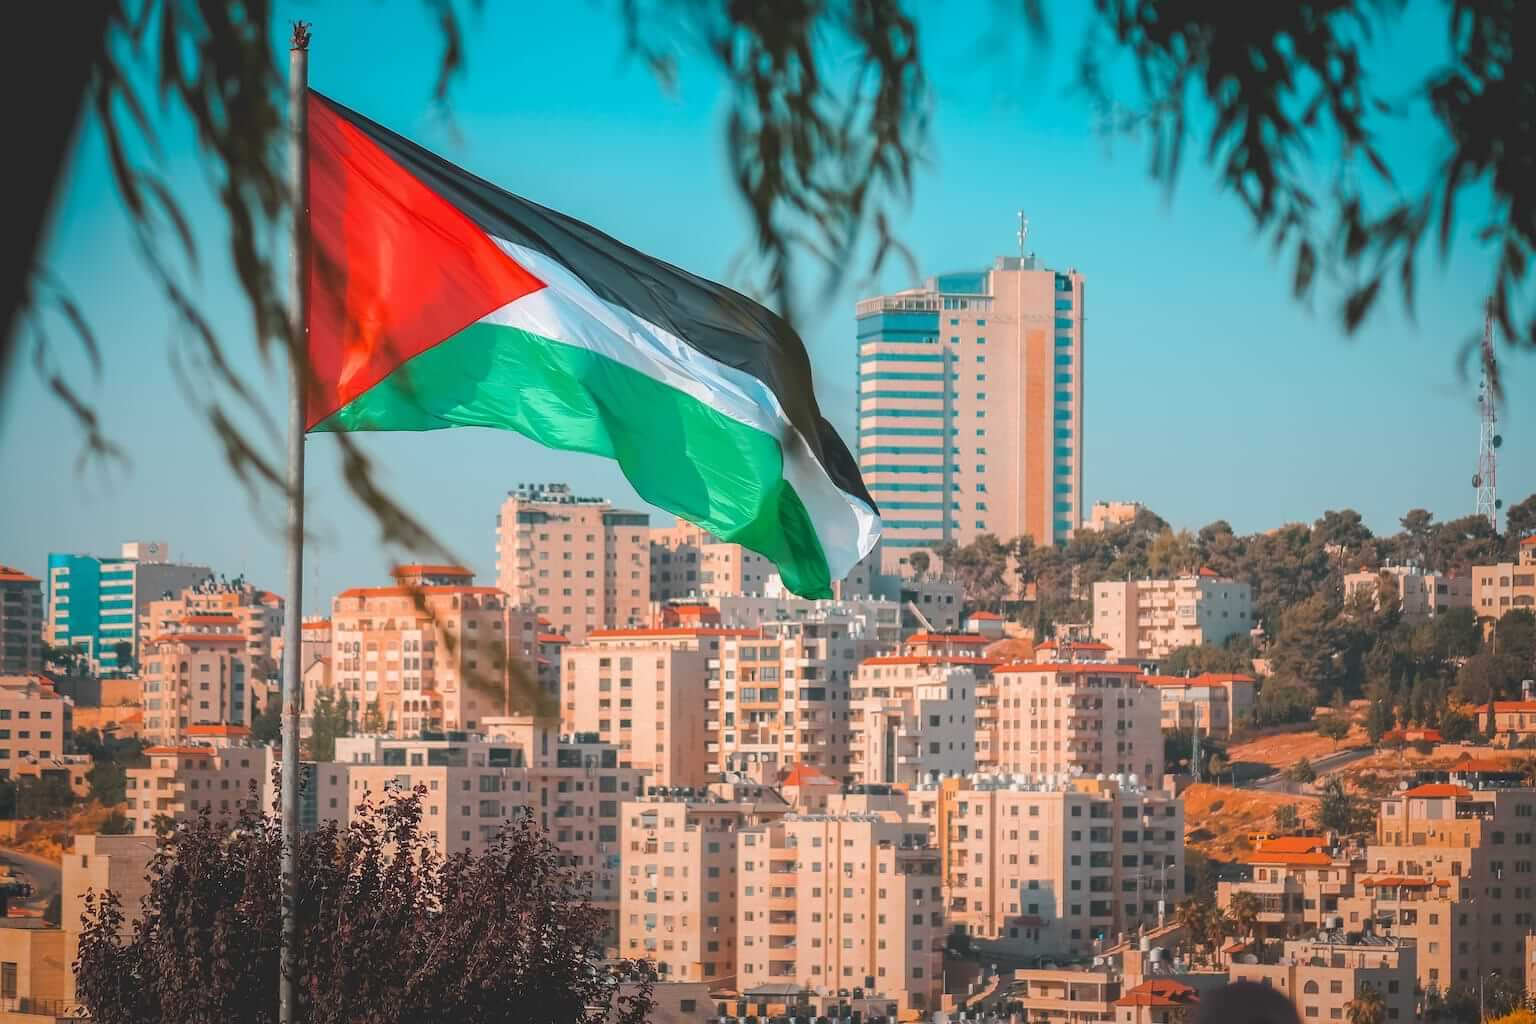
[1477,480]
[1498,502]
[1498,440]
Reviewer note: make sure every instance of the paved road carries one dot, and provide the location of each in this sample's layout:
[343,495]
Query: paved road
[1278,783]
[45,875]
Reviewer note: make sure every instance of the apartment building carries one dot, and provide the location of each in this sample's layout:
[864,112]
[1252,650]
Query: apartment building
[1074,718]
[782,696]
[573,785]
[876,618]
[21,622]
[202,673]
[1214,703]
[220,774]
[913,719]
[1420,595]
[1300,883]
[677,900]
[98,864]
[1146,620]
[841,901]
[644,690]
[1514,721]
[970,395]
[95,603]
[35,723]
[1467,859]
[578,562]
[1323,974]
[1498,588]
[221,606]
[688,561]
[1054,869]
[432,653]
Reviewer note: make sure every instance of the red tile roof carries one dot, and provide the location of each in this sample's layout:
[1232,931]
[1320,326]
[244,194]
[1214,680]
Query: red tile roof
[1208,572]
[417,569]
[1527,542]
[408,591]
[1504,707]
[553,638]
[959,639]
[1438,789]
[1294,844]
[1314,859]
[217,730]
[200,638]
[10,575]
[986,616]
[1159,992]
[318,624]
[802,774]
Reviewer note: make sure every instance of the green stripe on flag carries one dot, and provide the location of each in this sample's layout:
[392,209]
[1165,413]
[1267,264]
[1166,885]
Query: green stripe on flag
[680,454]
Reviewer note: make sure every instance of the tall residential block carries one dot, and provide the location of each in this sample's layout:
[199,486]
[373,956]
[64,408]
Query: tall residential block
[1059,719]
[842,900]
[21,622]
[35,723]
[970,420]
[432,653]
[95,603]
[1419,594]
[687,561]
[1051,869]
[913,719]
[781,694]
[578,562]
[643,690]
[1146,620]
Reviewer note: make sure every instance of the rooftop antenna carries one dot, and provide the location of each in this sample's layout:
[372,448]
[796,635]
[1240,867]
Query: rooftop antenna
[1485,480]
[1023,232]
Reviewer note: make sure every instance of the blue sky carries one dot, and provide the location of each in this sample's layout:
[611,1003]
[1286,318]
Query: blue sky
[1210,393]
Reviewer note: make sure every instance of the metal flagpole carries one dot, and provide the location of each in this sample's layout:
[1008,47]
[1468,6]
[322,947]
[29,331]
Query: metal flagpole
[298,362]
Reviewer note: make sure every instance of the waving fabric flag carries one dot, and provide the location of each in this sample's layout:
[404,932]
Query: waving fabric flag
[439,300]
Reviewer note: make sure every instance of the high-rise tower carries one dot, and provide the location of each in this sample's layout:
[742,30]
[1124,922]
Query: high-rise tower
[971,407]
[1486,480]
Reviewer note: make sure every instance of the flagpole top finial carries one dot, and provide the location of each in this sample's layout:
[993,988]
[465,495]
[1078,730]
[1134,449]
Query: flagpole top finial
[300,40]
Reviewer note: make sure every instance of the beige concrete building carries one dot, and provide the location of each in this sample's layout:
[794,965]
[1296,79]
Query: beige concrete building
[913,719]
[219,606]
[1105,514]
[98,864]
[1146,620]
[1420,595]
[433,653]
[970,407]
[1212,702]
[1300,883]
[1034,870]
[1498,588]
[1323,974]
[221,775]
[35,722]
[644,691]
[574,786]
[845,900]
[782,696]
[677,900]
[687,561]
[21,622]
[35,977]
[578,562]
[1076,718]
[873,618]
[1514,721]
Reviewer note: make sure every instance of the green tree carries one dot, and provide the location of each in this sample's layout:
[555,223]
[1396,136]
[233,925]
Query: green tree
[919,562]
[1379,720]
[1228,659]
[373,719]
[1333,727]
[1307,644]
[1243,910]
[1218,765]
[1519,523]
[1283,700]
[1368,1006]
[1457,727]
[116,824]
[268,725]
[330,719]
[1302,771]
[1337,808]
[123,649]
[1287,819]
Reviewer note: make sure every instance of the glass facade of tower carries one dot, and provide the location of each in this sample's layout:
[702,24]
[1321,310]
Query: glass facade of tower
[970,407]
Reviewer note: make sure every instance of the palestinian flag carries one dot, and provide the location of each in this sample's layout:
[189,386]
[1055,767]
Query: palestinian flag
[439,300]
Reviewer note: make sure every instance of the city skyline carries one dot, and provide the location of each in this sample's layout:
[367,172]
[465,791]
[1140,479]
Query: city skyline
[1268,409]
